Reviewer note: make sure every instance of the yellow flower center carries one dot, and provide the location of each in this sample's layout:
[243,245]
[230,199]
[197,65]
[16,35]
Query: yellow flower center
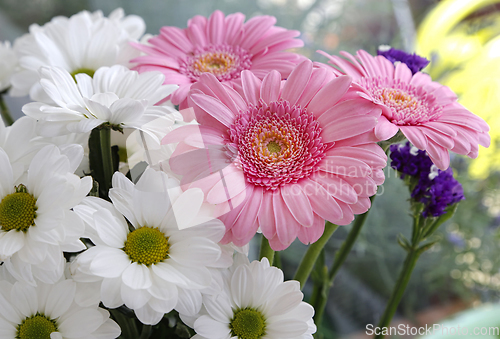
[88,71]
[248,323]
[273,147]
[36,327]
[147,245]
[217,63]
[18,210]
[399,99]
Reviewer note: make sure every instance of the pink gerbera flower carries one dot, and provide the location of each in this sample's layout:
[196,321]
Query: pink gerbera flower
[426,112]
[222,46]
[281,157]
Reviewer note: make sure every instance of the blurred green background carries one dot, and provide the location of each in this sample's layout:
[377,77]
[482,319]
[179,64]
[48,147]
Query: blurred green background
[462,271]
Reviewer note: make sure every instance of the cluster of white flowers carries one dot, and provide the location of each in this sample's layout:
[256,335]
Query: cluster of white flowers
[149,245]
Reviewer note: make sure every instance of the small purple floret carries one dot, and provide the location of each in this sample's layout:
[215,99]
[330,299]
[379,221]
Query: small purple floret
[414,62]
[436,189]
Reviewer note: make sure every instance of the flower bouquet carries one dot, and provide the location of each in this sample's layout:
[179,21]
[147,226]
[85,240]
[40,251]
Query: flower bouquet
[230,135]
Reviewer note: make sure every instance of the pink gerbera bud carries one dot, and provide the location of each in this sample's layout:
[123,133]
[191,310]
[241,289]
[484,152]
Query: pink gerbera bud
[281,156]
[426,112]
[220,45]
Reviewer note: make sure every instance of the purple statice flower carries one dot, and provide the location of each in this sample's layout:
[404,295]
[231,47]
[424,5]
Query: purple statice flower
[414,62]
[409,160]
[435,188]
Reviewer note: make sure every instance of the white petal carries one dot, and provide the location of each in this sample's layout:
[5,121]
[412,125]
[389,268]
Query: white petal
[81,323]
[195,252]
[9,312]
[74,153]
[7,329]
[286,328]
[189,302]
[111,292]
[109,329]
[211,329]
[137,276]
[25,297]
[60,298]
[56,335]
[134,299]
[242,286]
[112,231]
[285,303]
[148,316]
[109,263]
[186,207]
[11,242]
[6,178]
[162,306]
[219,307]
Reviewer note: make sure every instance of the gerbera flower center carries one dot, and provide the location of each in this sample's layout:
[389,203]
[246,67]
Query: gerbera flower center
[224,61]
[36,327]
[90,72]
[18,210]
[147,245]
[248,323]
[277,144]
[408,105]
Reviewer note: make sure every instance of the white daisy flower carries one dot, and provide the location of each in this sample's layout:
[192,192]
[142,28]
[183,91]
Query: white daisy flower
[49,311]
[254,303]
[79,44]
[8,63]
[114,95]
[163,263]
[17,141]
[36,220]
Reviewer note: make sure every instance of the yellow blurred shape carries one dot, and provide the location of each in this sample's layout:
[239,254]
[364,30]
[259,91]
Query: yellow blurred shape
[464,49]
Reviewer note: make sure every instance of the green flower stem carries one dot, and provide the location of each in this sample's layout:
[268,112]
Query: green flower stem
[312,253]
[266,250]
[4,111]
[399,288]
[146,331]
[319,302]
[413,253]
[107,158]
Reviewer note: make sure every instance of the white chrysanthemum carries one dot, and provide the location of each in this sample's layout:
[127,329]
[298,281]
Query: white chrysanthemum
[79,44]
[49,311]
[8,63]
[36,220]
[114,95]
[254,303]
[163,263]
[17,141]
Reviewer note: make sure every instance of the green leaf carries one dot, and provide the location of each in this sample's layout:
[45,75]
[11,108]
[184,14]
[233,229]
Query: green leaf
[403,242]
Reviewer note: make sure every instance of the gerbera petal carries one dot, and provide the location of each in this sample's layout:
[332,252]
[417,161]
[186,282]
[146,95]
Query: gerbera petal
[271,87]
[297,81]
[266,219]
[348,127]
[215,108]
[216,32]
[251,87]
[298,204]
[309,235]
[286,225]
[415,136]
[322,202]
[329,95]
